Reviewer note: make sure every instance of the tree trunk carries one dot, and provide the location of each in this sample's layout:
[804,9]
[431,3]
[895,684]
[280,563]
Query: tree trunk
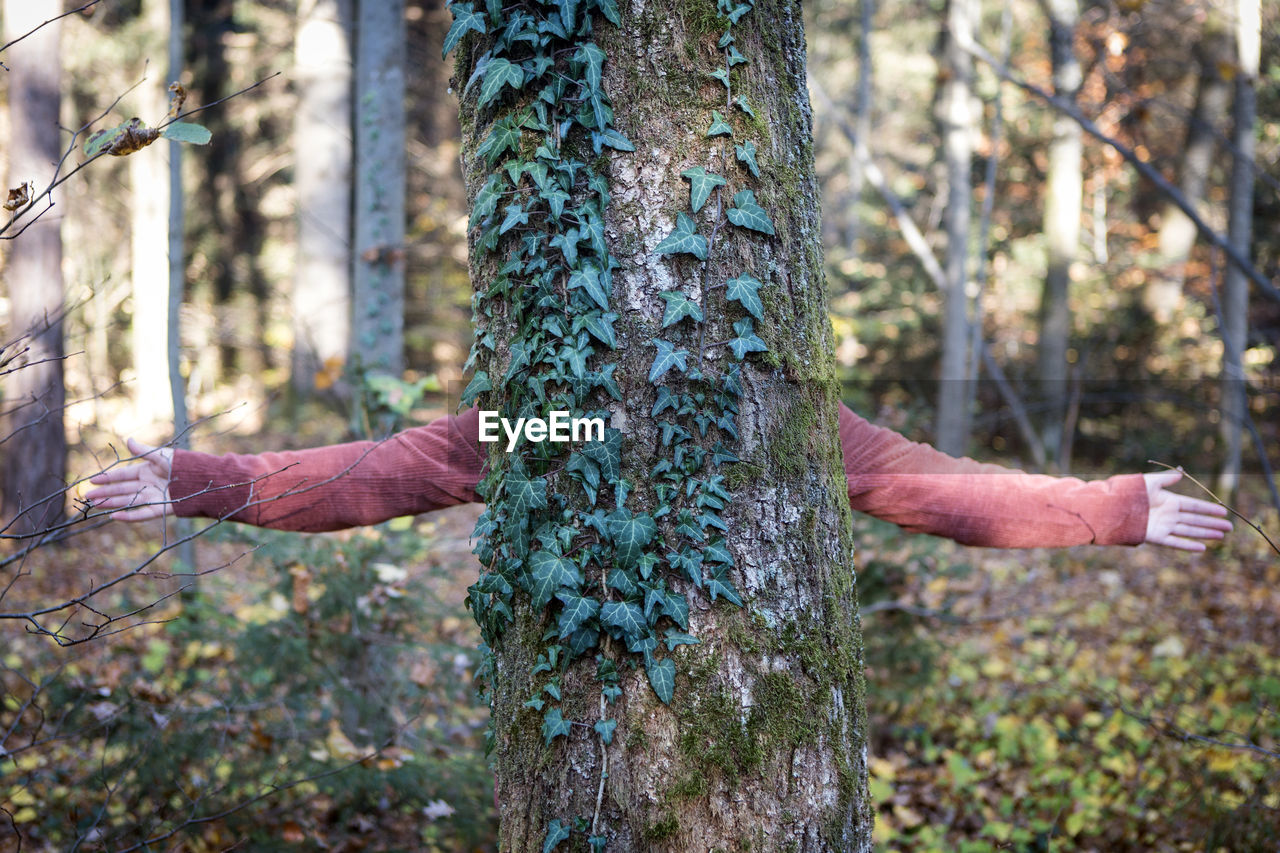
[1235,297]
[1062,205]
[958,123]
[762,743]
[322,176]
[1163,293]
[149,234]
[378,318]
[34,444]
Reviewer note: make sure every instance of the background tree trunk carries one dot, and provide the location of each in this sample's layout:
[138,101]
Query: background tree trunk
[1235,297]
[322,176]
[35,450]
[763,743]
[149,232]
[378,318]
[958,127]
[1163,293]
[1062,204]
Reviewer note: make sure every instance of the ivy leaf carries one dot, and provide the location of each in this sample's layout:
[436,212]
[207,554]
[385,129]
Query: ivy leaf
[744,290]
[569,15]
[747,340]
[701,183]
[550,572]
[736,58]
[667,399]
[720,586]
[685,238]
[630,535]
[747,214]
[591,57]
[607,454]
[609,8]
[555,199]
[588,278]
[747,155]
[598,842]
[679,306]
[185,131]
[464,18]
[677,607]
[601,327]
[567,243]
[478,385]
[717,552]
[516,215]
[622,582]
[646,563]
[741,103]
[554,725]
[611,138]
[486,200]
[625,616]
[662,677]
[524,494]
[738,11]
[675,638]
[719,127]
[577,610]
[721,74]
[667,358]
[605,728]
[499,73]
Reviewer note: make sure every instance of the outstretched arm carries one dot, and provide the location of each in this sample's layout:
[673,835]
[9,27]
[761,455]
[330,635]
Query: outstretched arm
[926,491]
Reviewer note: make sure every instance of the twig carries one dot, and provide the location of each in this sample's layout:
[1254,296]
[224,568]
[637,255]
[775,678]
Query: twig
[5,47]
[1220,502]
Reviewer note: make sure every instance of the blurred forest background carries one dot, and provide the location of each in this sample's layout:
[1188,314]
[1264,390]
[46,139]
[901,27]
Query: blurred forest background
[1006,281]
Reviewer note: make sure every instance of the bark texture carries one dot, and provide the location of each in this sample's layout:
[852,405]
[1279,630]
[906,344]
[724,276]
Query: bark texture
[34,444]
[762,747]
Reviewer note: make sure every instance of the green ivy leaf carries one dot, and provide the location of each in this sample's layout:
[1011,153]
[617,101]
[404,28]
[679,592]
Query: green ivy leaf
[746,341]
[601,327]
[555,199]
[591,58]
[747,214]
[516,215]
[679,306]
[588,278]
[744,290]
[553,726]
[499,73]
[725,40]
[701,183]
[720,586]
[741,103]
[630,535]
[685,238]
[523,494]
[738,11]
[576,611]
[478,385]
[668,357]
[717,552]
[721,74]
[569,15]
[736,58]
[605,728]
[609,8]
[747,155]
[625,616]
[464,18]
[598,842]
[185,131]
[611,138]
[667,399]
[677,607]
[607,454]
[675,638]
[622,582]
[486,200]
[719,127]
[550,572]
[662,677]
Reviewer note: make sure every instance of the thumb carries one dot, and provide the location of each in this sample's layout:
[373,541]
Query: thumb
[138,448]
[1163,479]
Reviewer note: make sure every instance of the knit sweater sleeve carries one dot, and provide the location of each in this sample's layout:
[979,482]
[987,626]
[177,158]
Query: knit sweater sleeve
[924,490]
[336,487]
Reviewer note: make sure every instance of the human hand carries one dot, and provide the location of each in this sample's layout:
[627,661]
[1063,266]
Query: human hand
[1178,521]
[135,492]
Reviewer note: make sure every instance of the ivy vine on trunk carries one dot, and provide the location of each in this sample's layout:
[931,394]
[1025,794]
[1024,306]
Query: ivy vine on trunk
[672,651]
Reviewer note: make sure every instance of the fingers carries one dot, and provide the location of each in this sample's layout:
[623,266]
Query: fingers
[1182,544]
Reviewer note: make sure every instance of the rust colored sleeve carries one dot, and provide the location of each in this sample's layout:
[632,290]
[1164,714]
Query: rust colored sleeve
[332,488]
[924,490]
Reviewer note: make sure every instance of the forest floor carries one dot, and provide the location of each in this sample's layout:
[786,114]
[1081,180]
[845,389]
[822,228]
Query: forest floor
[1106,699]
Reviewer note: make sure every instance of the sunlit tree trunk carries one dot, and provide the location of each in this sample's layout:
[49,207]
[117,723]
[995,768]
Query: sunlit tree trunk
[958,123]
[1062,205]
[149,232]
[762,746]
[378,315]
[322,177]
[1235,295]
[1163,292]
[33,441]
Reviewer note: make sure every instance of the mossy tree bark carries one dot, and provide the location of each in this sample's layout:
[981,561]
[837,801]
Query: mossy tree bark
[763,745]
